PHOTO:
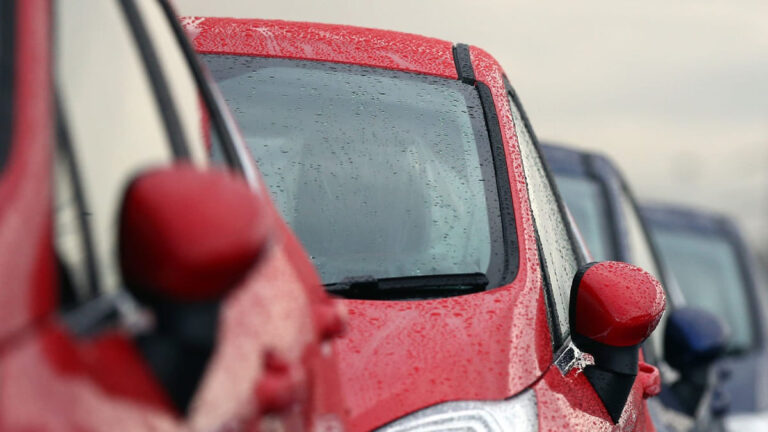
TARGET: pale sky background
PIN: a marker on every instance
(675, 91)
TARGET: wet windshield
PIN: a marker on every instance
(709, 274)
(586, 201)
(380, 173)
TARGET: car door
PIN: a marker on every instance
(566, 397)
(85, 355)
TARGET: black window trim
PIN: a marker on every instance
(158, 81)
(7, 53)
(466, 74)
(64, 145)
(233, 148)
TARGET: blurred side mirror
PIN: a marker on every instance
(614, 307)
(188, 235)
(693, 338)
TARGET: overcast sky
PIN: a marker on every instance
(675, 91)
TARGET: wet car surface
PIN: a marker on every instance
(360, 155)
(145, 285)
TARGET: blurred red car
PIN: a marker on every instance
(143, 285)
(407, 168)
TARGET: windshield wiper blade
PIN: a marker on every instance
(425, 286)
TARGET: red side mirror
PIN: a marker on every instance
(190, 235)
(614, 307)
(615, 304)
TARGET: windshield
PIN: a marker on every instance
(380, 173)
(586, 201)
(709, 274)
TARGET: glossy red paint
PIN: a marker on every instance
(650, 379)
(568, 403)
(229, 228)
(51, 379)
(618, 304)
(269, 343)
(49, 384)
(27, 272)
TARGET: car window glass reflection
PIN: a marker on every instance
(586, 202)
(377, 171)
(709, 274)
(558, 255)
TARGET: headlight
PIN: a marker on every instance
(516, 414)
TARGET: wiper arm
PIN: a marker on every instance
(426, 286)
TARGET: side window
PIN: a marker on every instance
(194, 121)
(640, 250)
(113, 125)
(128, 101)
(642, 256)
(559, 260)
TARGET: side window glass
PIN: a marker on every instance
(188, 104)
(72, 236)
(130, 101)
(642, 256)
(559, 261)
(114, 126)
(640, 250)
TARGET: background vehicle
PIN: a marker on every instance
(604, 208)
(716, 272)
(122, 244)
(401, 163)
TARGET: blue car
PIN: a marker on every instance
(717, 272)
(608, 218)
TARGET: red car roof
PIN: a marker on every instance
(323, 42)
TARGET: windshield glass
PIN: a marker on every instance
(708, 271)
(586, 201)
(380, 173)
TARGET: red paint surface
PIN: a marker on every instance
(53, 380)
(650, 379)
(229, 229)
(618, 304)
(27, 272)
(322, 42)
(568, 403)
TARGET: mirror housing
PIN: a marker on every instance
(614, 307)
(189, 235)
(615, 304)
(693, 338)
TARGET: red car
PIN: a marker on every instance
(143, 284)
(409, 171)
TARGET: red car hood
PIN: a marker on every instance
(401, 356)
